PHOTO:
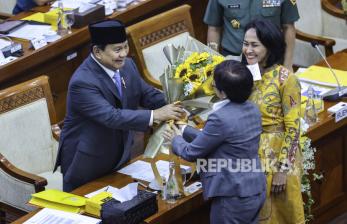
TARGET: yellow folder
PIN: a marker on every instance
(59, 200)
(323, 76)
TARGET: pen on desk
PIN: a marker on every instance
(107, 188)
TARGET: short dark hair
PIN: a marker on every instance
(234, 79)
(271, 36)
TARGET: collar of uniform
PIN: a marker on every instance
(108, 71)
(220, 104)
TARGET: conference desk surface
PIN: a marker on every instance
(328, 137)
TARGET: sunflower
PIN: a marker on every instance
(197, 71)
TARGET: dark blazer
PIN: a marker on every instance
(231, 132)
(97, 133)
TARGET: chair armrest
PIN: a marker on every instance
(150, 80)
(10, 169)
(326, 42)
(56, 130)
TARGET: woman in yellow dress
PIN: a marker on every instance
(277, 94)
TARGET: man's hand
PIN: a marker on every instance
(170, 133)
(279, 182)
(168, 112)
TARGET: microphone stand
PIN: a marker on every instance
(335, 94)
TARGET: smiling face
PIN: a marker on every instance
(113, 56)
(253, 49)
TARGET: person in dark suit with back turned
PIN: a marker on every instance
(230, 137)
(26, 5)
(102, 109)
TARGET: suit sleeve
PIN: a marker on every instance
(190, 133)
(205, 142)
(88, 100)
(214, 14)
(289, 12)
(151, 97)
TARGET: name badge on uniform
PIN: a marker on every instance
(271, 3)
(234, 6)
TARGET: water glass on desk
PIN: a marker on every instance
(69, 16)
(319, 102)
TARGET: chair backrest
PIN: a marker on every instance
(26, 115)
(311, 19)
(6, 6)
(147, 39)
(310, 22)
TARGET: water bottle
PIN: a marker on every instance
(172, 191)
(61, 29)
(310, 116)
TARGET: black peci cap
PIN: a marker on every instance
(107, 32)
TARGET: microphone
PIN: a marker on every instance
(337, 93)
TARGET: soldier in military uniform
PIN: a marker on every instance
(226, 20)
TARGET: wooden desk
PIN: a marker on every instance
(191, 209)
(330, 140)
(51, 60)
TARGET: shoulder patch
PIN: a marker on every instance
(293, 2)
(283, 74)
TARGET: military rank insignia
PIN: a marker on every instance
(293, 2)
(235, 24)
(271, 3)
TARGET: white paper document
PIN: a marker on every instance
(142, 170)
(30, 32)
(52, 216)
(124, 194)
(4, 43)
(319, 90)
(83, 4)
(254, 69)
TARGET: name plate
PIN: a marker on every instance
(341, 113)
(38, 42)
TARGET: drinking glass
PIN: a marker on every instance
(69, 19)
(319, 102)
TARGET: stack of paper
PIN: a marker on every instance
(4, 43)
(51, 216)
(124, 194)
(30, 32)
(142, 170)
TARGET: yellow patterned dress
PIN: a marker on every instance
(278, 98)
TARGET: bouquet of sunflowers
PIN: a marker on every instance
(188, 79)
(196, 73)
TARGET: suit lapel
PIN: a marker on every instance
(104, 78)
(124, 81)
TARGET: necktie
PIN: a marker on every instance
(117, 81)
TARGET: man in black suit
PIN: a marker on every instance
(102, 108)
